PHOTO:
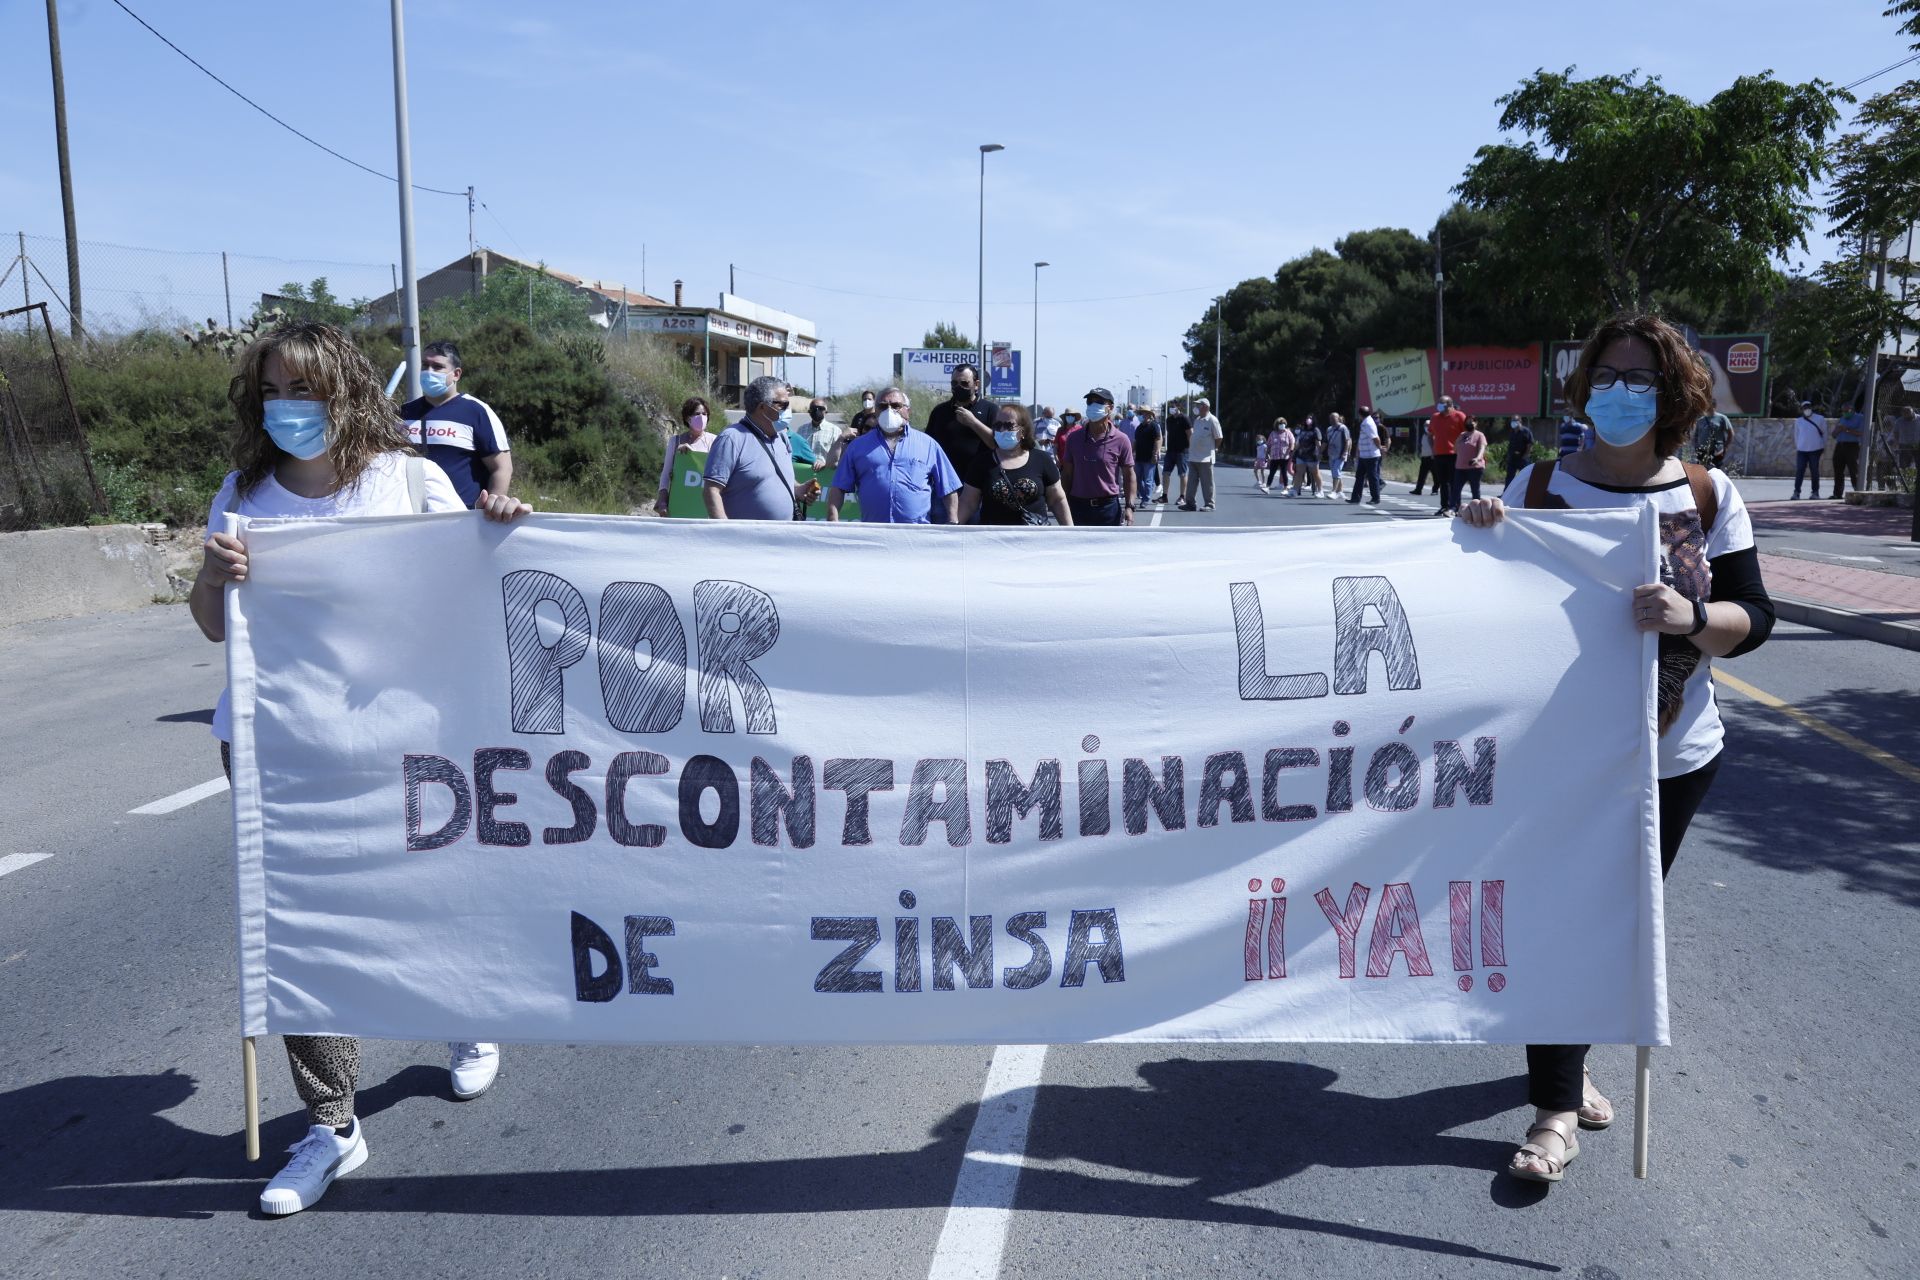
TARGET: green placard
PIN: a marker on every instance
(689, 476)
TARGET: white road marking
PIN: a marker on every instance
(975, 1234)
(20, 861)
(181, 799)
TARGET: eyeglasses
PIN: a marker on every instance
(898, 406)
(1601, 377)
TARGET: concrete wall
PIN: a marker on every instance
(63, 573)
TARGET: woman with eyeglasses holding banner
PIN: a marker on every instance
(1644, 388)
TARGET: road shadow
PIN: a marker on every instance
(1203, 1130)
(186, 717)
(1793, 800)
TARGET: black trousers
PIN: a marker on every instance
(1443, 480)
(1553, 1070)
(1427, 470)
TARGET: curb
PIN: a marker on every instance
(1847, 622)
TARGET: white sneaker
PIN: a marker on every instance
(473, 1067)
(318, 1159)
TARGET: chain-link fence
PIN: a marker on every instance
(46, 474)
(124, 288)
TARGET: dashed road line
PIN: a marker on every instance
(181, 799)
(13, 862)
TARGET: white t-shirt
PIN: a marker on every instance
(1694, 738)
(1809, 433)
(380, 491)
(1369, 437)
(1206, 438)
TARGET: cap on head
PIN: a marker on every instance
(1204, 403)
(1101, 394)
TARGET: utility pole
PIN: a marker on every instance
(1440, 311)
(403, 146)
(730, 288)
(66, 168)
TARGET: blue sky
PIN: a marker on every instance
(1152, 148)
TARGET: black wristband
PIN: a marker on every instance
(1699, 617)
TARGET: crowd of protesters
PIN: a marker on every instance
(316, 435)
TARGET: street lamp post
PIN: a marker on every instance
(1166, 378)
(980, 315)
(403, 143)
(1036, 333)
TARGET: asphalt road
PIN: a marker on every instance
(1783, 1115)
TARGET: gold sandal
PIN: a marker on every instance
(1556, 1166)
(1591, 1102)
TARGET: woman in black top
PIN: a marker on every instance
(1016, 483)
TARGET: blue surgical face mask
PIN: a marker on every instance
(1098, 412)
(785, 419)
(298, 427)
(1006, 439)
(1622, 416)
(434, 384)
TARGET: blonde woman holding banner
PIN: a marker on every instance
(316, 436)
(1644, 388)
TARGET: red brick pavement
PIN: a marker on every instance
(1823, 515)
(1892, 597)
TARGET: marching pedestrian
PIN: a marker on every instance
(1572, 435)
(900, 475)
(692, 441)
(315, 435)
(1848, 435)
(1306, 457)
(1096, 466)
(1469, 461)
(459, 433)
(1146, 457)
(1173, 472)
(1712, 436)
(1045, 428)
(1642, 386)
(749, 472)
(1369, 447)
(961, 425)
(1519, 447)
(1208, 439)
(1809, 441)
(1337, 447)
(1906, 438)
(1279, 455)
(1445, 427)
(1019, 484)
(1260, 463)
(1424, 447)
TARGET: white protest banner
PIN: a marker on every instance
(596, 779)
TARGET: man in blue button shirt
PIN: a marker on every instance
(897, 472)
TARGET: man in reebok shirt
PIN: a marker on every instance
(459, 433)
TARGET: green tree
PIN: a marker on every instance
(1616, 189)
(546, 306)
(946, 336)
(1910, 11)
(314, 302)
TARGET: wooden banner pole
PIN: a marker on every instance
(1642, 1085)
(250, 1082)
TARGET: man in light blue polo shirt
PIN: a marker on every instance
(897, 472)
(750, 467)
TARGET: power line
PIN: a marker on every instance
(503, 229)
(268, 114)
(1912, 57)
